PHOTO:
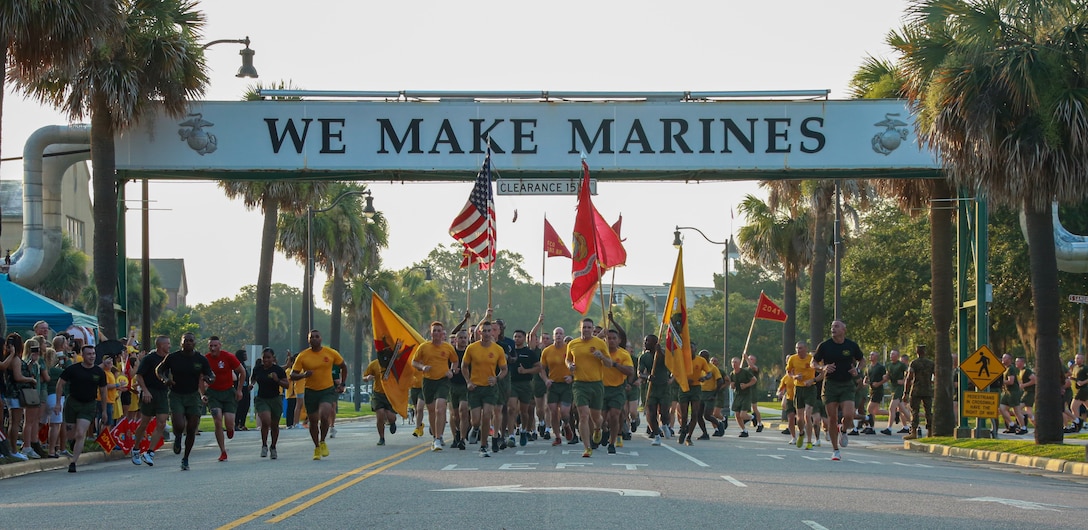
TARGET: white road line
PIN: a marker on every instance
(697, 462)
(814, 525)
(734, 481)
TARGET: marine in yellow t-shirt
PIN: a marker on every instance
(583, 353)
(320, 362)
(481, 362)
(439, 357)
(711, 385)
(612, 376)
(554, 361)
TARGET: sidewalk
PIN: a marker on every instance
(1038, 462)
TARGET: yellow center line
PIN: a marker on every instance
(344, 486)
(268, 509)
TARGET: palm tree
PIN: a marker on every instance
(883, 79)
(778, 239)
(270, 196)
(999, 91)
(36, 37)
(152, 59)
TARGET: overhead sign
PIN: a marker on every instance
(544, 186)
(982, 367)
(980, 404)
(1078, 298)
(447, 140)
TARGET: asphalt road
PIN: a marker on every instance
(730, 482)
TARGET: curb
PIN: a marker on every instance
(1048, 464)
(18, 469)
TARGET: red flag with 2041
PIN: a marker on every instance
(553, 244)
(768, 310)
(596, 247)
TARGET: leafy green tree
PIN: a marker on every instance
(68, 277)
(173, 324)
(159, 297)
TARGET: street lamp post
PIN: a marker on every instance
(728, 253)
(247, 69)
(368, 212)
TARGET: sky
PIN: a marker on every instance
(605, 45)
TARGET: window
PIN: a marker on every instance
(75, 232)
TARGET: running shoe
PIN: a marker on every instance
(835, 456)
(512, 441)
(557, 441)
(149, 457)
(324, 449)
(381, 441)
(800, 441)
(568, 433)
(786, 430)
(611, 449)
(844, 440)
(272, 453)
(904, 430)
(793, 441)
(418, 432)
(817, 443)
(393, 427)
(177, 445)
(853, 432)
(886, 431)
(473, 435)
(317, 453)
(759, 428)
(223, 456)
(184, 464)
(230, 433)
(587, 453)
(619, 442)
(743, 434)
(705, 436)
(136, 458)
(31, 454)
(483, 452)
(72, 467)
(264, 451)
(808, 446)
(524, 439)
(65, 452)
(436, 446)
(657, 441)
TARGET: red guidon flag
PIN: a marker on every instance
(553, 245)
(768, 310)
(596, 247)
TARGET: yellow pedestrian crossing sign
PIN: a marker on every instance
(982, 367)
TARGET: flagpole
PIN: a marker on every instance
(543, 268)
(746, 341)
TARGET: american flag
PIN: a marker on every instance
(474, 227)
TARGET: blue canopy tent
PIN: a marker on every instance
(23, 307)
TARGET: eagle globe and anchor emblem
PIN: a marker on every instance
(894, 134)
(199, 140)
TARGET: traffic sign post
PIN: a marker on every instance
(982, 367)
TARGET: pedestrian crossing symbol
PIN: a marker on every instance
(982, 367)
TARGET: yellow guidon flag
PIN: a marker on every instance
(395, 344)
(675, 336)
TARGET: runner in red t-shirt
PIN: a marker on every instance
(223, 393)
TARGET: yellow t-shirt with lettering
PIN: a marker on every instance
(554, 360)
(787, 383)
(438, 356)
(111, 393)
(612, 376)
(587, 367)
(699, 368)
(321, 363)
(711, 384)
(795, 365)
(375, 370)
(482, 361)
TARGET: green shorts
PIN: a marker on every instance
(160, 402)
(223, 400)
(876, 394)
(414, 395)
(539, 388)
(788, 408)
(861, 394)
(186, 404)
(818, 408)
(1028, 398)
(615, 397)
(502, 386)
(674, 392)
(710, 397)
(632, 391)
(313, 399)
(378, 401)
(435, 389)
(483, 395)
(742, 401)
(721, 401)
(1010, 399)
(660, 395)
(78, 410)
(458, 393)
(523, 390)
(897, 392)
(560, 393)
(588, 394)
(1081, 394)
(804, 396)
(694, 393)
(838, 391)
(271, 405)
